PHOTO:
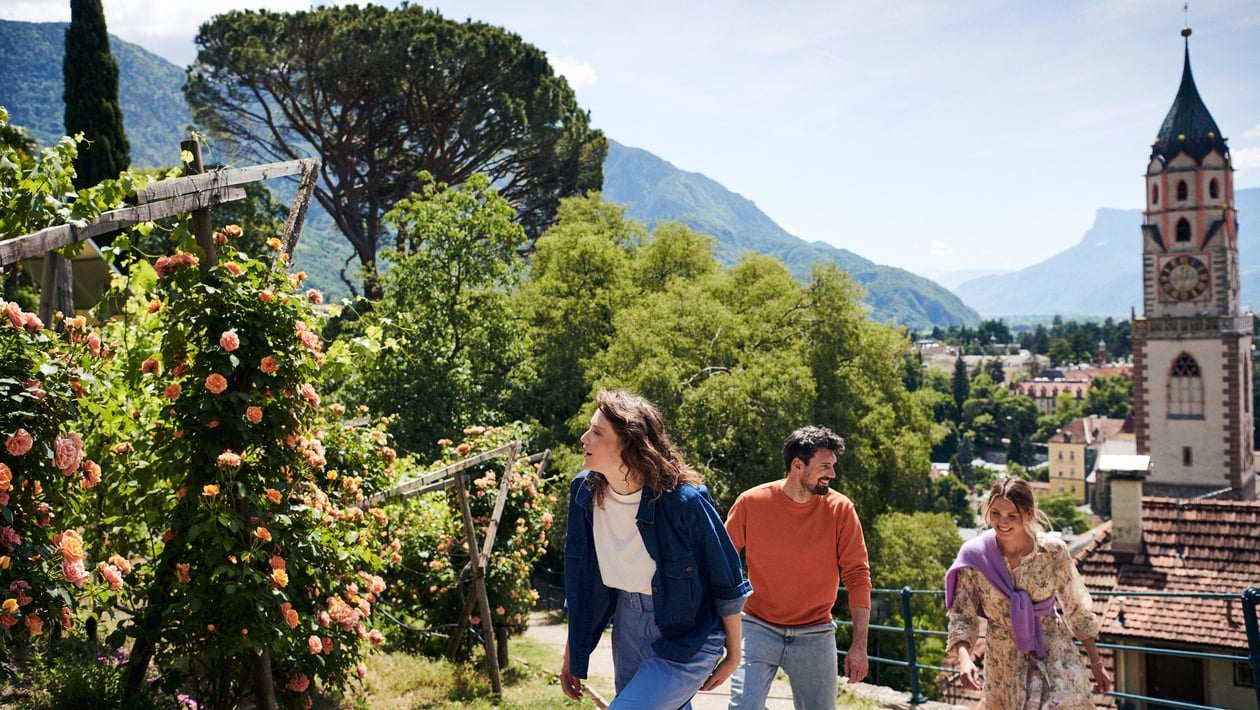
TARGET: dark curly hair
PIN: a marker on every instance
(646, 448)
(805, 442)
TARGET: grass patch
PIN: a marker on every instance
(400, 681)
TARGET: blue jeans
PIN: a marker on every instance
(643, 679)
(806, 654)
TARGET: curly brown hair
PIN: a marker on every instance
(645, 446)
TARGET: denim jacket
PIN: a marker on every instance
(698, 578)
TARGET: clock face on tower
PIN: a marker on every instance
(1184, 278)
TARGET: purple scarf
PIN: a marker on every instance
(982, 553)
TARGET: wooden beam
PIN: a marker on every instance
(222, 177)
(36, 243)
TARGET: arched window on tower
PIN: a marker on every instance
(1183, 191)
(1183, 230)
(1154, 194)
(1185, 389)
(1214, 189)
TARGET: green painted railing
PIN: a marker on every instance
(1250, 599)
(551, 586)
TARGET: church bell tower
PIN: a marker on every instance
(1192, 345)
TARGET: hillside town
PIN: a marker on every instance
(217, 489)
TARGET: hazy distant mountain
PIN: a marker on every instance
(31, 86)
(655, 191)
(951, 279)
(155, 117)
(1102, 274)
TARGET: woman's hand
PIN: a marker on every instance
(967, 670)
(1102, 681)
(569, 683)
(723, 671)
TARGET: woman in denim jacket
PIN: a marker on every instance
(646, 548)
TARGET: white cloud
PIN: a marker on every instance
(1253, 132)
(1245, 159)
(580, 74)
(939, 249)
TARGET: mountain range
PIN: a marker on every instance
(1102, 274)
(1098, 277)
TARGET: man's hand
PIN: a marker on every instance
(569, 683)
(856, 664)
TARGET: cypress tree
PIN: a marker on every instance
(91, 96)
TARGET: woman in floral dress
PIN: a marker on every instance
(1027, 587)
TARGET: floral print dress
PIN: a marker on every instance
(1021, 681)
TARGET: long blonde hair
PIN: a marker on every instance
(645, 445)
(1020, 493)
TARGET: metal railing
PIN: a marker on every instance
(1250, 600)
(550, 584)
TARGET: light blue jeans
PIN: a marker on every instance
(806, 654)
(645, 680)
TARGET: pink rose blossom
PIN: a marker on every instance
(361, 670)
(310, 341)
(34, 624)
(315, 644)
(266, 296)
(253, 414)
(376, 638)
(111, 575)
(19, 443)
(9, 538)
(172, 391)
(316, 297)
(14, 313)
(32, 322)
(181, 572)
(268, 364)
(91, 474)
(74, 572)
(68, 452)
(94, 344)
(298, 684)
(230, 340)
(229, 459)
(308, 393)
(216, 383)
(150, 367)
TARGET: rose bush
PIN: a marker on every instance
(45, 379)
(428, 589)
(231, 490)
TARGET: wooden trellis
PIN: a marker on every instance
(167, 198)
(478, 552)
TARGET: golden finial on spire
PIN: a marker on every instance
(1185, 9)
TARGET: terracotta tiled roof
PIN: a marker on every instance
(1187, 546)
(1099, 429)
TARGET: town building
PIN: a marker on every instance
(1192, 343)
(1074, 449)
(1046, 388)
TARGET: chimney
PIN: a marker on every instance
(1125, 477)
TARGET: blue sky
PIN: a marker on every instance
(934, 136)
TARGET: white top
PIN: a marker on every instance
(624, 562)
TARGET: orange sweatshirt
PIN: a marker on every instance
(797, 553)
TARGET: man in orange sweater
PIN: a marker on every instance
(800, 538)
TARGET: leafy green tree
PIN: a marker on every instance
(1063, 513)
(1110, 396)
(381, 95)
(912, 549)
(993, 368)
(444, 343)
(961, 387)
(948, 494)
(579, 278)
(92, 108)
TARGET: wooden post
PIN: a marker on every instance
(56, 289)
(297, 213)
(479, 583)
(201, 225)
